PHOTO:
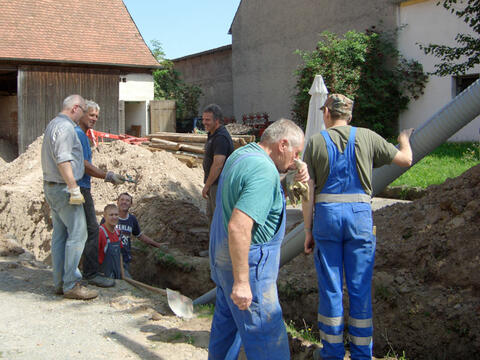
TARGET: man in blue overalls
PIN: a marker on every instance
(340, 162)
(245, 237)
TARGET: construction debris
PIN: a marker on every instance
(188, 148)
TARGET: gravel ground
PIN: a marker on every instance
(119, 324)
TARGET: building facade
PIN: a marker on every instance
(266, 33)
(49, 50)
(212, 72)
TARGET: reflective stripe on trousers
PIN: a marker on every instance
(261, 327)
(344, 242)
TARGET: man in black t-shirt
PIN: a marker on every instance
(218, 148)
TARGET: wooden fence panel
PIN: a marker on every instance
(162, 116)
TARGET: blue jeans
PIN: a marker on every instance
(68, 238)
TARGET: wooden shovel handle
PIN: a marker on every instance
(138, 283)
(145, 286)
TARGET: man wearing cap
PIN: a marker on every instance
(338, 222)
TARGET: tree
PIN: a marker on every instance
(366, 67)
(169, 86)
(468, 45)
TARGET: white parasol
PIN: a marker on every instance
(318, 93)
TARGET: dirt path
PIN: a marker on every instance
(119, 324)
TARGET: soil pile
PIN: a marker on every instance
(427, 282)
(426, 279)
(24, 213)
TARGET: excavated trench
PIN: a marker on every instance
(426, 281)
(426, 284)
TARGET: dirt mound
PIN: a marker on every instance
(426, 279)
(24, 214)
(178, 224)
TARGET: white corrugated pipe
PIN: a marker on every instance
(434, 132)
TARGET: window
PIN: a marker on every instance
(462, 82)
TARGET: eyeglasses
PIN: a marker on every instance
(84, 110)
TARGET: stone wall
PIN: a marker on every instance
(212, 72)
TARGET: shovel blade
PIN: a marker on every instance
(181, 305)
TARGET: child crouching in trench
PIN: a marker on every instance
(109, 244)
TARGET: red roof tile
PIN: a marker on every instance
(80, 31)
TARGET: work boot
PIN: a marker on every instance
(59, 291)
(101, 281)
(80, 292)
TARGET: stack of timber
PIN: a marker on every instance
(188, 148)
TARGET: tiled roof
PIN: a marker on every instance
(78, 31)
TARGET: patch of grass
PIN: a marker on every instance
(306, 333)
(289, 290)
(175, 337)
(140, 245)
(205, 310)
(383, 293)
(449, 160)
(169, 261)
(189, 339)
(392, 355)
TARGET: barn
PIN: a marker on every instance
(50, 49)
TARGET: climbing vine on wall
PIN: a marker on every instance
(366, 67)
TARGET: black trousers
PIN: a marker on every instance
(90, 252)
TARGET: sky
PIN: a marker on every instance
(184, 27)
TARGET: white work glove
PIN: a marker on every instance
(296, 190)
(76, 197)
(115, 179)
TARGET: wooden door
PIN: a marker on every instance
(162, 116)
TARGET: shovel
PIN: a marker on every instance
(181, 305)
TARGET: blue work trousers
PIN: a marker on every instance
(68, 237)
(344, 241)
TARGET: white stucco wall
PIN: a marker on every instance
(137, 87)
(426, 23)
(136, 113)
(137, 90)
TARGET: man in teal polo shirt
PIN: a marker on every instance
(245, 237)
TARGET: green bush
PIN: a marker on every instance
(169, 86)
(366, 67)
